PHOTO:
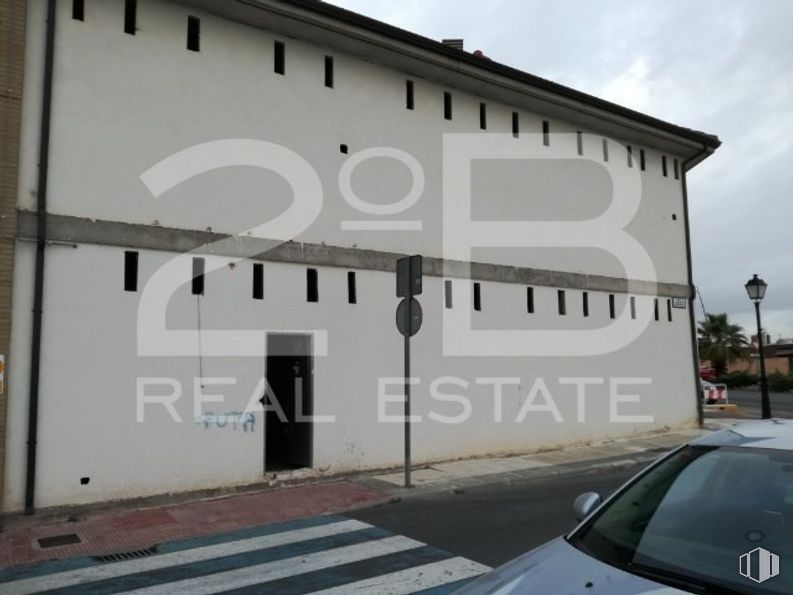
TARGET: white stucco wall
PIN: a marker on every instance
(88, 424)
(122, 103)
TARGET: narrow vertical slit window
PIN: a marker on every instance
(483, 116)
(630, 156)
(130, 271)
(546, 133)
(312, 285)
(130, 10)
(329, 71)
(409, 100)
(447, 294)
(677, 169)
(642, 162)
(612, 306)
(530, 300)
(78, 10)
(477, 297)
(633, 307)
(585, 303)
(258, 281)
(198, 276)
(194, 34)
(352, 290)
(605, 150)
(447, 105)
(579, 137)
(669, 310)
(655, 309)
(279, 57)
(664, 169)
(560, 300)
(515, 124)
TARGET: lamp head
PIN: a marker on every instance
(756, 287)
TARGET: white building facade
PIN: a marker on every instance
(180, 131)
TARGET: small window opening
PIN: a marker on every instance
(642, 162)
(669, 310)
(546, 133)
(483, 116)
(560, 299)
(633, 307)
(530, 300)
(664, 169)
(258, 281)
(447, 294)
(676, 166)
(515, 124)
(329, 71)
(130, 8)
(477, 297)
(655, 309)
(344, 148)
(630, 156)
(585, 303)
(612, 306)
(198, 276)
(605, 150)
(194, 34)
(78, 10)
(312, 285)
(279, 57)
(352, 290)
(409, 103)
(130, 271)
(447, 105)
(579, 137)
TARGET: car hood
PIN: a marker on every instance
(557, 568)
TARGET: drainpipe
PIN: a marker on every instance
(41, 243)
(685, 166)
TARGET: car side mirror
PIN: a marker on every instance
(585, 504)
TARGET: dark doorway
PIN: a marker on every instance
(289, 371)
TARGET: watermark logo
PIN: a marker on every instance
(759, 565)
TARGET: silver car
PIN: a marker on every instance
(713, 516)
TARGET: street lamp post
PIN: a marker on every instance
(756, 287)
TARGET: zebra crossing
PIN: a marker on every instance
(330, 555)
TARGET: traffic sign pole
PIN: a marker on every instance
(408, 319)
(407, 406)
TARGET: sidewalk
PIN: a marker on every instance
(134, 532)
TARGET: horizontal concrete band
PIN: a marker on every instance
(79, 230)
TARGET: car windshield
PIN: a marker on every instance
(718, 519)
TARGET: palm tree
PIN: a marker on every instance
(720, 341)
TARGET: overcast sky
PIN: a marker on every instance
(720, 66)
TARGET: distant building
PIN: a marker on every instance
(84, 238)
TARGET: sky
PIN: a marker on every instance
(720, 66)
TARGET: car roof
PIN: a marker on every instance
(769, 433)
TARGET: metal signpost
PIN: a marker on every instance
(408, 320)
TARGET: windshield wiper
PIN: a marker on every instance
(676, 579)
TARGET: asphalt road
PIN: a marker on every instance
(748, 402)
(492, 524)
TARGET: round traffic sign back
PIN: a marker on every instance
(410, 324)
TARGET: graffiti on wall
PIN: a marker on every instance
(232, 419)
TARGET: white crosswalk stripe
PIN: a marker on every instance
(326, 555)
(271, 571)
(414, 579)
(117, 569)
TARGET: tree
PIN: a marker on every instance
(721, 342)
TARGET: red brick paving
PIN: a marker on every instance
(138, 529)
